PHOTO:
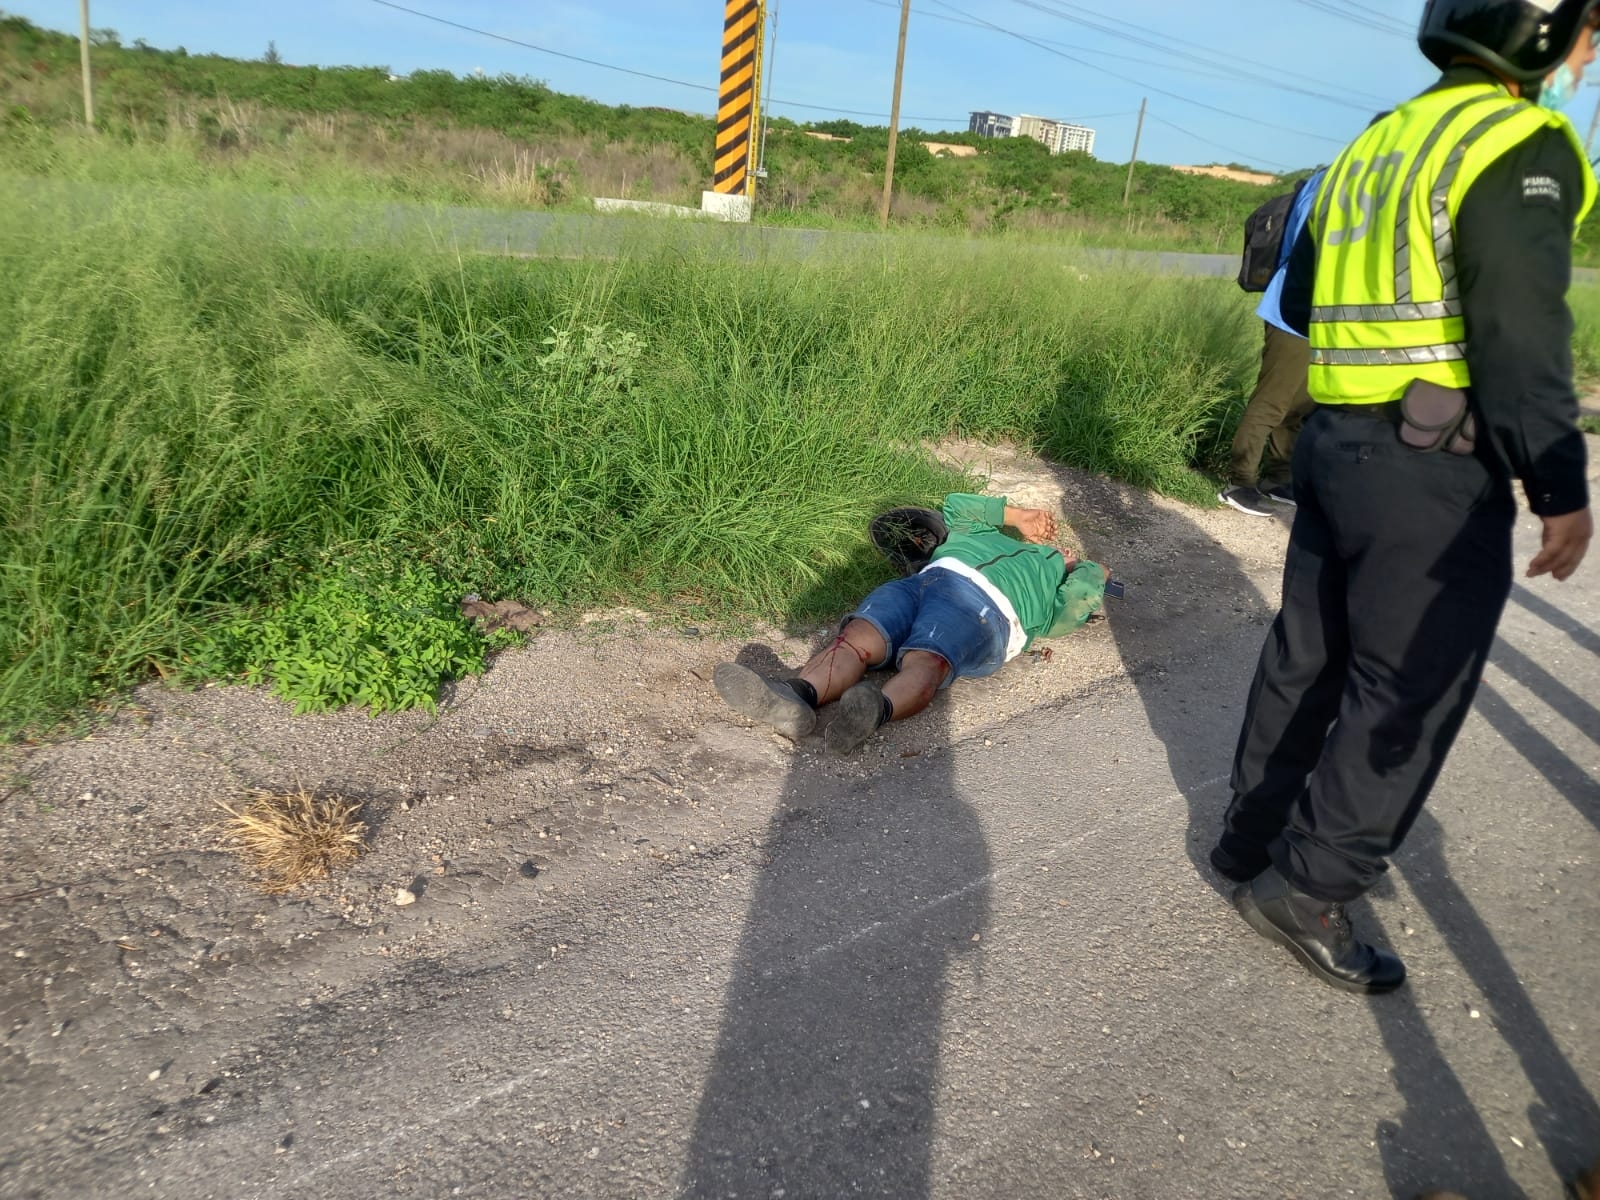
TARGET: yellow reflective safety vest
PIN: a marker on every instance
(1385, 306)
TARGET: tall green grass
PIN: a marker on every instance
(202, 411)
(1584, 301)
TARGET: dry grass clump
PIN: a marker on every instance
(293, 838)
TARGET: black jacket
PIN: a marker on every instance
(1513, 246)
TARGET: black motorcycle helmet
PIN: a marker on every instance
(907, 537)
(1523, 39)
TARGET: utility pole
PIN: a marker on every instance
(1127, 188)
(894, 116)
(88, 80)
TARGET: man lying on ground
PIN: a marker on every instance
(971, 599)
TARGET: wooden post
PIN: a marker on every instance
(1127, 188)
(894, 116)
(88, 80)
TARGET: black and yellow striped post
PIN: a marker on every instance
(738, 97)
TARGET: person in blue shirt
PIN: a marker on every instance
(1280, 402)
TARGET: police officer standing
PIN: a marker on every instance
(1432, 279)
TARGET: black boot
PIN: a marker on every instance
(1318, 932)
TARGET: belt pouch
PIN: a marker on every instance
(1433, 417)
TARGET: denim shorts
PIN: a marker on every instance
(943, 613)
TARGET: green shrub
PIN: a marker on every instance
(369, 637)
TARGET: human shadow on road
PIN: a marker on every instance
(1566, 1117)
(823, 1080)
(1569, 779)
(1440, 1140)
(1189, 633)
(1547, 688)
(1551, 615)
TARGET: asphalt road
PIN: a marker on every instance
(998, 971)
(543, 234)
(537, 234)
(579, 235)
(573, 235)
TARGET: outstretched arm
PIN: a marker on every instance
(967, 513)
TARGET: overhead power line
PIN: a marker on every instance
(1232, 71)
(1207, 72)
(1218, 145)
(1032, 41)
(1227, 61)
(699, 87)
(499, 37)
(1367, 18)
(1379, 14)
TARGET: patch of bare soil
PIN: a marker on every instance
(1256, 177)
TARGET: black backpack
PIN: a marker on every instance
(1263, 240)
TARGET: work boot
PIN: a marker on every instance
(772, 702)
(1318, 932)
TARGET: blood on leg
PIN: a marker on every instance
(840, 665)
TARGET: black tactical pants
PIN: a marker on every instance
(1399, 564)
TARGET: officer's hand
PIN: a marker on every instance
(1564, 541)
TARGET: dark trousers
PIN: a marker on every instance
(1273, 416)
(1399, 564)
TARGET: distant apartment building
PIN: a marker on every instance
(1074, 137)
(1057, 136)
(990, 124)
(1040, 129)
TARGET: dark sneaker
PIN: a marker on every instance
(1246, 500)
(1279, 493)
(859, 714)
(1318, 933)
(772, 702)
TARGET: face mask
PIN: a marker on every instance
(1558, 89)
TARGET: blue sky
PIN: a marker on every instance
(839, 54)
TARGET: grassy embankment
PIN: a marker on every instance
(205, 420)
(170, 117)
(201, 415)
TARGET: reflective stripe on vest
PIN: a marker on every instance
(1408, 355)
(1386, 306)
(1435, 310)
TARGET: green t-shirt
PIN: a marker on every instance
(1049, 600)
